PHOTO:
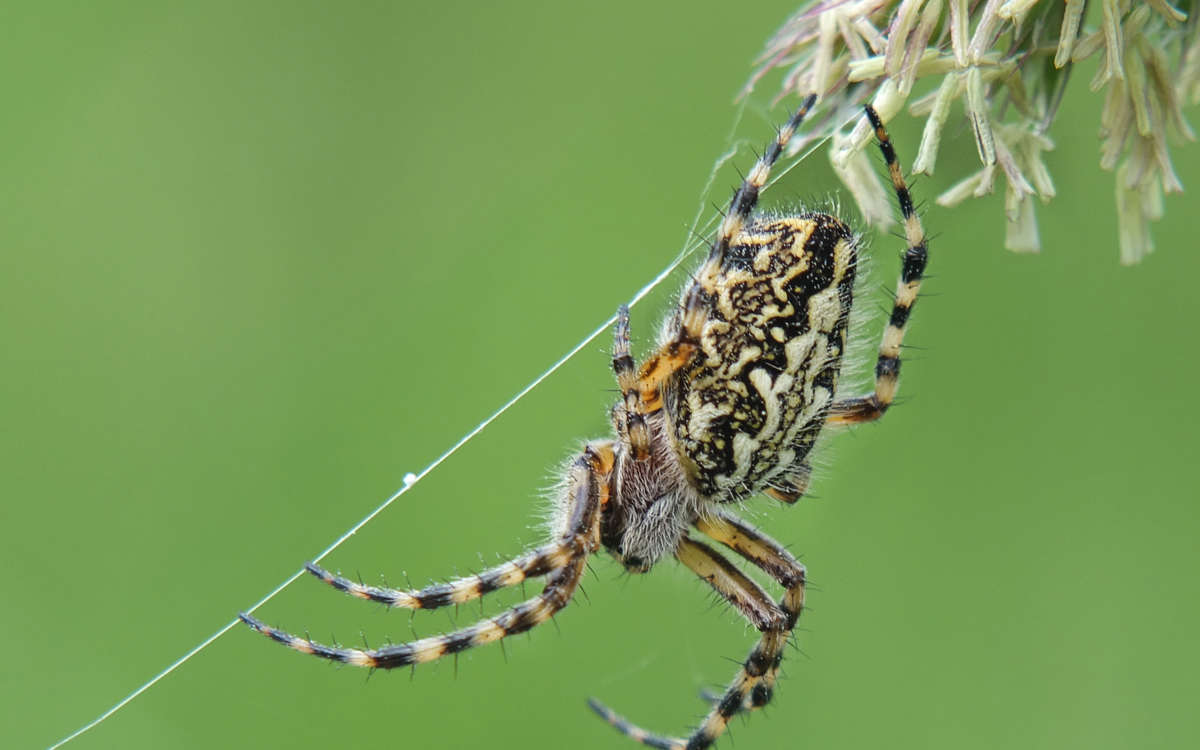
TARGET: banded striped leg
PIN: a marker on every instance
(588, 489)
(887, 367)
(678, 352)
(754, 683)
(632, 422)
(770, 557)
(533, 564)
(756, 605)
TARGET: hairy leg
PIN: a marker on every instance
(887, 368)
(752, 685)
(587, 490)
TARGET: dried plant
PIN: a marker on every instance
(1009, 62)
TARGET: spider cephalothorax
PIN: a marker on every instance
(730, 404)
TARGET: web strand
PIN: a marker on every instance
(693, 242)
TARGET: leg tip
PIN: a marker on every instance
(601, 710)
(632, 731)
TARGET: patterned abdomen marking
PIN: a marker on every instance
(750, 405)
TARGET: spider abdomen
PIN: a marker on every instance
(749, 406)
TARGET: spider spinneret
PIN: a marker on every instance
(729, 405)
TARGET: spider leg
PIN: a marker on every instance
(632, 731)
(633, 422)
(746, 197)
(533, 564)
(774, 560)
(734, 585)
(773, 620)
(677, 352)
(887, 367)
(587, 491)
(791, 487)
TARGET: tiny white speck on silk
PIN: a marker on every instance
(691, 245)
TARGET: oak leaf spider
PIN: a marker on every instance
(730, 405)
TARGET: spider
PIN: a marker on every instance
(730, 405)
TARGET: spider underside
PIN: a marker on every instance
(729, 405)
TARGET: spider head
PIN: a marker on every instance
(651, 502)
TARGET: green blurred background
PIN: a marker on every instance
(261, 260)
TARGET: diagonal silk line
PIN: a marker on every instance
(690, 246)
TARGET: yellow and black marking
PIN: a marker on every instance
(763, 552)
(763, 659)
(632, 418)
(730, 404)
(660, 366)
(732, 584)
(746, 197)
(754, 684)
(676, 354)
(564, 562)
(912, 269)
(774, 560)
(511, 622)
(746, 384)
(533, 564)
(749, 408)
